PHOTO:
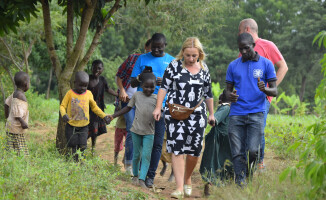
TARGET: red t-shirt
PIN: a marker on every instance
(268, 50)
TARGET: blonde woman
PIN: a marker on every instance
(186, 81)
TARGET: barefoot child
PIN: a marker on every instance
(74, 109)
(98, 86)
(16, 112)
(143, 126)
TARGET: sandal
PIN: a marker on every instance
(177, 194)
(187, 190)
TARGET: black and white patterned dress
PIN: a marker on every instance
(184, 88)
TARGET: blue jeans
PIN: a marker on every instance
(143, 145)
(129, 117)
(245, 132)
(157, 147)
(262, 145)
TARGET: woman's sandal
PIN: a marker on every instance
(177, 194)
(187, 190)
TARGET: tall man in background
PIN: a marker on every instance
(270, 51)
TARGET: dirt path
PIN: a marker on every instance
(105, 148)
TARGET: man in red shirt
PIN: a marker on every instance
(270, 51)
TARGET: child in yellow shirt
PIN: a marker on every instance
(74, 110)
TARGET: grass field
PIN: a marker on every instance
(46, 174)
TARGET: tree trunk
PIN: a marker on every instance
(303, 87)
(61, 141)
(64, 75)
(49, 84)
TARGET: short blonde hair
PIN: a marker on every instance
(193, 42)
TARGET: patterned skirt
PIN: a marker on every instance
(185, 136)
(17, 142)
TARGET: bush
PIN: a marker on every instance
(41, 109)
(283, 131)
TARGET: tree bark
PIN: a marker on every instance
(49, 84)
(62, 86)
(49, 38)
(70, 27)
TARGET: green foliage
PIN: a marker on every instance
(13, 12)
(291, 105)
(283, 131)
(321, 90)
(313, 157)
(216, 89)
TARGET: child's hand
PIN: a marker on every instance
(108, 119)
(159, 81)
(65, 118)
(24, 125)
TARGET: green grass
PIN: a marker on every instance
(46, 174)
(282, 131)
(41, 109)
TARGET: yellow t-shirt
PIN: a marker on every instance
(77, 108)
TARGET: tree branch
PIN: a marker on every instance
(70, 27)
(28, 52)
(98, 33)
(10, 75)
(10, 54)
(80, 43)
(49, 38)
(3, 56)
(24, 54)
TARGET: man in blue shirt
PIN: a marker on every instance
(246, 80)
(158, 60)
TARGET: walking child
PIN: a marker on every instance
(74, 110)
(98, 86)
(142, 129)
(16, 112)
(119, 134)
(216, 163)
